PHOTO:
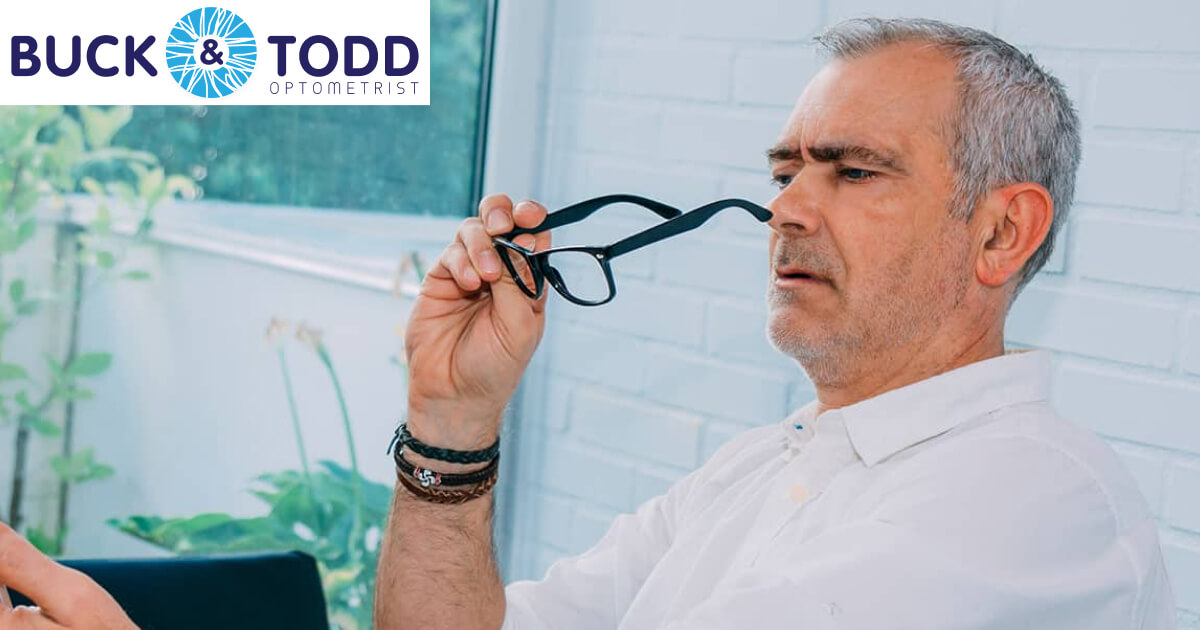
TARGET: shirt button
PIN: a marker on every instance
(798, 493)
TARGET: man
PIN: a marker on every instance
(923, 175)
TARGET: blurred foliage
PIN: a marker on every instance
(403, 159)
(48, 156)
(331, 512)
(312, 513)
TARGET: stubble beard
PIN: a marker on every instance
(907, 310)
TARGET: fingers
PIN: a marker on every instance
(472, 261)
(496, 212)
(65, 595)
(27, 618)
(478, 244)
(25, 568)
(456, 261)
(531, 214)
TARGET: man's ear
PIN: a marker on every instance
(1011, 223)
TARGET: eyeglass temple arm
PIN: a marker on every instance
(685, 222)
(582, 210)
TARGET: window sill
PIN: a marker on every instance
(362, 249)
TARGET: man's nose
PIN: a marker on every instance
(795, 210)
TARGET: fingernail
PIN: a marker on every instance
(489, 262)
(496, 221)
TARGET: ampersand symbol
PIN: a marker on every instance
(210, 54)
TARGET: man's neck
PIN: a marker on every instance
(907, 365)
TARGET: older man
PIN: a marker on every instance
(922, 177)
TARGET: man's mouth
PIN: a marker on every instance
(794, 276)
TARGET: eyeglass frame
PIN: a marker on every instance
(677, 222)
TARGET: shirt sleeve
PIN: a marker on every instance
(976, 551)
(592, 591)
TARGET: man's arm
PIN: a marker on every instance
(469, 338)
(437, 567)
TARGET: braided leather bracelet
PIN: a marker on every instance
(406, 440)
(428, 478)
(435, 495)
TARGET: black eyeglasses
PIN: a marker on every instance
(582, 274)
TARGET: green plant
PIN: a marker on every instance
(330, 512)
(52, 161)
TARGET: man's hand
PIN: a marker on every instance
(472, 331)
(66, 598)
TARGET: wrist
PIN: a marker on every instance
(455, 429)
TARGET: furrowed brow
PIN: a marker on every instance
(782, 153)
(858, 153)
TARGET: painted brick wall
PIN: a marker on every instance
(678, 100)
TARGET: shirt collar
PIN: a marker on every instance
(882, 426)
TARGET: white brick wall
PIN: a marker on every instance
(677, 100)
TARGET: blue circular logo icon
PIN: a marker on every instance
(211, 52)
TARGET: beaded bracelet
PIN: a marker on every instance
(428, 478)
(406, 440)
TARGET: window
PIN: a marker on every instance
(403, 159)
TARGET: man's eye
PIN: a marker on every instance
(781, 181)
(856, 174)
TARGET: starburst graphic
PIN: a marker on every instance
(211, 52)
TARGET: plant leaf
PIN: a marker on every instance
(89, 364)
(16, 290)
(136, 275)
(91, 186)
(81, 466)
(44, 427)
(77, 393)
(43, 541)
(26, 230)
(12, 372)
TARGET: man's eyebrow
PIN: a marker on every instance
(831, 153)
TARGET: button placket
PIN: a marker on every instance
(801, 482)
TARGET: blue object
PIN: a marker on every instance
(247, 592)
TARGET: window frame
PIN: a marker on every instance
(506, 142)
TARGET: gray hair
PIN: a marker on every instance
(1013, 123)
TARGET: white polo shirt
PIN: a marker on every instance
(962, 501)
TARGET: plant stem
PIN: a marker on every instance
(20, 457)
(21, 448)
(11, 202)
(356, 527)
(21, 441)
(291, 398)
(67, 237)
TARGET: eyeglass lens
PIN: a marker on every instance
(581, 274)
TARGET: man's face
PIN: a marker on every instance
(863, 167)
